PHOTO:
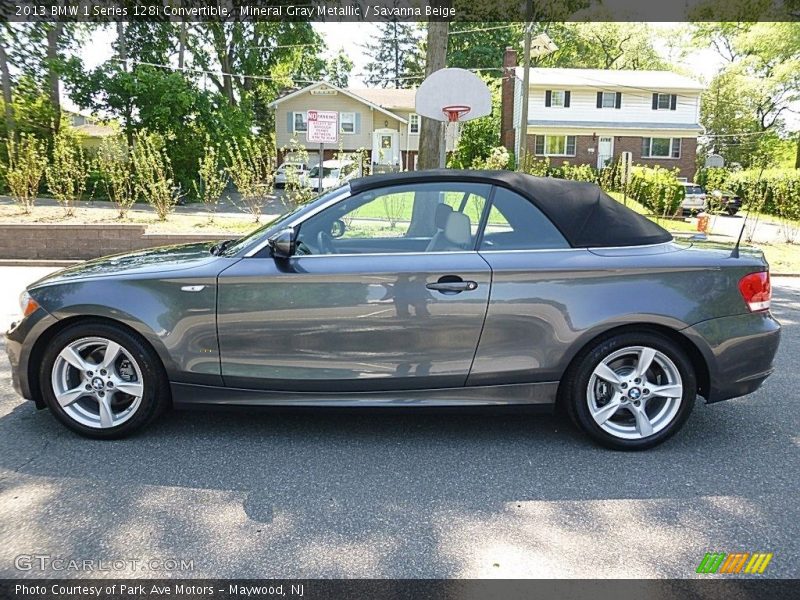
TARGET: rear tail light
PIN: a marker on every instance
(756, 290)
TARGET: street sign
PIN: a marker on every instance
(323, 127)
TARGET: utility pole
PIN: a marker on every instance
(539, 46)
(523, 110)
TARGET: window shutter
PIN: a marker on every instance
(599, 99)
(538, 146)
(566, 99)
(290, 122)
(570, 145)
(645, 147)
(548, 98)
(673, 102)
(655, 101)
(357, 125)
(619, 100)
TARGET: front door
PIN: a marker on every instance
(385, 150)
(369, 301)
(605, 151)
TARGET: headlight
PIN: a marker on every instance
(27, 304)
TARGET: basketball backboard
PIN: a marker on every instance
(453, 95)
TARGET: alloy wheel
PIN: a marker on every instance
(634, 392)
(97, 382)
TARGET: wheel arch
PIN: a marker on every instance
(693, 353)
(38, 349)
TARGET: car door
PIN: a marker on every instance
(372, 299)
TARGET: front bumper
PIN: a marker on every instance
(20, 339)
(739, 351)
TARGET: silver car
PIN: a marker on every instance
(694, 199)
(441, 288)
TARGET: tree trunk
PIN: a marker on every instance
(797, 159)
(53, 38)
(6, 82)
(122, 50)
(182, 46)
(430, 136)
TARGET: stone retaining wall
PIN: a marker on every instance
(62, 241)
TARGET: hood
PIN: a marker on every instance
(152, 260)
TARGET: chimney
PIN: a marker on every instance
(507, 100)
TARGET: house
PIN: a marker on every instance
(90, 130)
(591, 116)
(380, 121)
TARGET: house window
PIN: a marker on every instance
(609, 99)
(661, 147)
(413, 123)
(665, 101)
(557, 98)
(347, 122)
(555, 145)
(300, 122)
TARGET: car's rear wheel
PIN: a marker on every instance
(102, 381)
(631, 391)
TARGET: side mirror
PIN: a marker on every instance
(283, 243)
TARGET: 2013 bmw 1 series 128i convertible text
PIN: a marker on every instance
(436, 288)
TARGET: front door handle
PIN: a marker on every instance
(448, 285)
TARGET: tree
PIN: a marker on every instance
(338, 69)
(5, 78)
(68, 170)
(395, 54)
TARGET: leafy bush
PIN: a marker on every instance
(497, 160)
(68, 171)
(250, 166)
(212, 179)
(658, 189)
(773, 191)
(114, 167)
(154, 179)
(26, 162)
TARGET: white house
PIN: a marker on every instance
(590, 116)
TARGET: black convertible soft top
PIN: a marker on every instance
(586, 216)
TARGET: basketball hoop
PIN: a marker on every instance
(455, 112)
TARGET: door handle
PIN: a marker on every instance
(452, 287)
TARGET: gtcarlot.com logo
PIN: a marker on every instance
(46, 562)
(753, 563)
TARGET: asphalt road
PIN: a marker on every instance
(370, 494)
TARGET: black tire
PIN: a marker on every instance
(732, 211)
(155, 397)
(576, 381)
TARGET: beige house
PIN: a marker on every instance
(380, 121)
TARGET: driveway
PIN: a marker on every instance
(420, 495)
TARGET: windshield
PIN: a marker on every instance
(693, 189)
(275, 223)
(326, 172)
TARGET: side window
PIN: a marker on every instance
(514, 223)
(429, 217)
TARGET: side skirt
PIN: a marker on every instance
(185, 395)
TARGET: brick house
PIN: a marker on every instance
(381, 121)
(590, 116)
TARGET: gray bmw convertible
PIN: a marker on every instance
(437, 288)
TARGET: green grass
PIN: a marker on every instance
(673, 225)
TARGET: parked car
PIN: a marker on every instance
(300, 168)
(504, 289)
(725, 201)
(694, 198)
(334, 174)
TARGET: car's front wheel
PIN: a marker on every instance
(631, 391)
(102, 381)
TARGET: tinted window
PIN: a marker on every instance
(516, 224)
(693, 189)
